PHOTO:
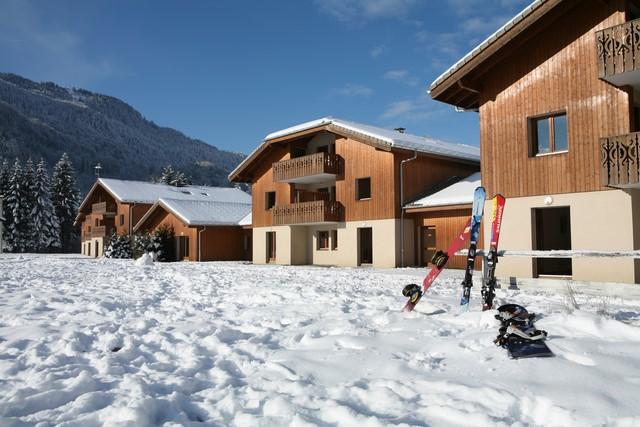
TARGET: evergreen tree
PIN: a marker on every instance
(28, 181)
(45, 222)
(66, 199)
(168, 175)
(180, 180)
(18, 221)
(4, 186)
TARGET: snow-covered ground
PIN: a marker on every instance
(88, 342)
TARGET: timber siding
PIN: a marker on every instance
(555, 71)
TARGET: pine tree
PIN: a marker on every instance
(28, 180)
(18, 221)
(65, 198)
(4, 186)
(180, 180)
(46, 226)
(168, 175)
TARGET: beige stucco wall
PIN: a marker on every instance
(600, 220)
(93, 241)
(298, 244)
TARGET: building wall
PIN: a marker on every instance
(223, 244)
(553, 71)
(297, 245)
(263, 183)
(448, 224)
(595, 225)
(160, 218)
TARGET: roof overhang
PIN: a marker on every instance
(419, 209)
(460, 85)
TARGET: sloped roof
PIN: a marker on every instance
(199, 212)
(459, 193)
(148, 192)
(373, 135)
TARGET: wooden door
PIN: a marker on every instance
(428, 243)
(271, 246)
(365, 242)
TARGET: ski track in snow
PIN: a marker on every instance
(87, 342)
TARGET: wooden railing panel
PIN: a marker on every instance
(313, 164)
(103, 208)
(307, 212)
(620, 160)
(618, 49)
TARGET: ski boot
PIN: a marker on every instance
(413, 292)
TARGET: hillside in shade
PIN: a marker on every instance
(44, 120)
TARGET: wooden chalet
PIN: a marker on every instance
(557, 89)
(328, 192)
(199, 215)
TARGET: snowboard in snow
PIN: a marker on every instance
(526, 349)
(455, 246)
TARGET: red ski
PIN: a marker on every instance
(413, 291)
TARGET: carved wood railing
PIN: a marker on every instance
(308, 212)
(313, 164)
(620, 160)
(310, 196)
(103, 208)
(618, 49)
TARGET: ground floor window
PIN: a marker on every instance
(551, 231)
(323, 240)
(334, 240)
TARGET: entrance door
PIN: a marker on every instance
(428, 243)
(96, 248)
(365, 243)
(271, 246)
(551, 230)
(183, 247)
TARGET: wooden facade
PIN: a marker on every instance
(291, 168)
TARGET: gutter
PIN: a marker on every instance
(200, 242)
(410, 159)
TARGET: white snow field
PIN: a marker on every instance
(87, 342)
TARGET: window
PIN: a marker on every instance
(269, 199)
(323, 240)
(121, 219)
(334, 240)
(548, 134)
(97, 222)
(363, 188)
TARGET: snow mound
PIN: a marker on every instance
(145, 259)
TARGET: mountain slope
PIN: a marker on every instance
(45, 120)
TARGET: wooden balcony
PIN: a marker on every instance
(317, 167)
(103, 208)
(620, 158)
(619, 54)
(307, 213)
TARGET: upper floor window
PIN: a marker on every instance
(548, 134)
(363, 188)
(269, 199)
(121, 219)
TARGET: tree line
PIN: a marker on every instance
(39, 209)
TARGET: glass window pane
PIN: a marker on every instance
(560, 132)
(542, 133)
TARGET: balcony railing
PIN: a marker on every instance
(103, 208)
(620, 158)
(308, 212)
(306, 166)
(619, 49)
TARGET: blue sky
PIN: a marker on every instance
(230, 72)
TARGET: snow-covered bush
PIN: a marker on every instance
(145, 243)
(119, 246)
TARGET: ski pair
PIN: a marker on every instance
(471, 230)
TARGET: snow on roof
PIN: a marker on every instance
(247, 220)
(381, 136)
(198, 212)
(391, 138)
(459, 193)
(487, 42)
(148, 192)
